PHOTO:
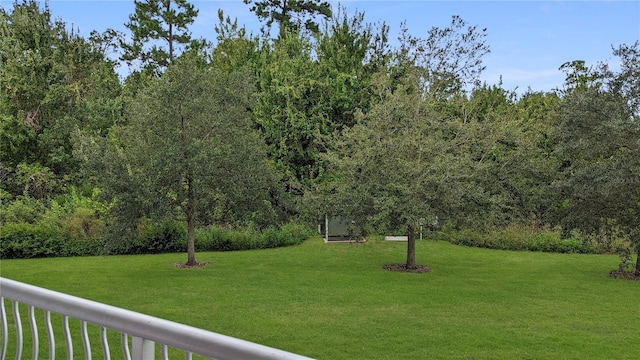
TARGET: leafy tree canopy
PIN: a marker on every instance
(187, 151)
(52, 81)
(158, 29)
(599, 142)
(290, 15)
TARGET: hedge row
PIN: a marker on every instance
(519, 239)
(22, 241)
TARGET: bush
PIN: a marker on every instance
(518, 238)
(69, 226)
(149, 238)
(22, 210)
(24, 241)
(166, 237)
(215, 238)
(212, 238)
(296, 233)
(608, 240)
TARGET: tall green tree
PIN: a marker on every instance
(579, 77)
(235, 48)
(290, 15)
(537, 163)
(349, 52)
(512, 144)
(598, 140)
(400, 165)
(159, 29)
(289, 91)
(449, 59)
(52, 81)
(187, 151)
(311, 87)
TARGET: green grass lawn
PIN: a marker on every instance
(334, 301)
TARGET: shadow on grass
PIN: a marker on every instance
(419, 269)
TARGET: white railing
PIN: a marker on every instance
(139, 333)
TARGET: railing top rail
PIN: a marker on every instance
(167, 332)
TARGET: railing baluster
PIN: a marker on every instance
(18, 322)
(85, 340)
(34, 331)
(67, 337)
(145, 331)
(125, 347)
(52, 341)
(105, 343)
(143, 349)
(5, 328)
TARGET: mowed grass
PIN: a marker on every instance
(334, 301)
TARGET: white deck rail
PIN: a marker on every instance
(142, 331)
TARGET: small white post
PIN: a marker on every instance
(326, 228)
(143, 349)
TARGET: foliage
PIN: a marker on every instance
(71, 225)
(288, 94)
(52, 81)
(349, 53)
(599, 134)
(517, 238)
(21, 210)
(291, 15)
(187, 152)
(311, 87)
(154, 22)
(448, 60)
(149, 238)
(27, 240)
(607, 240)
(215, 238)
(24, 241)
(235, 49)
(400, 163)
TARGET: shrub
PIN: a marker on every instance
(149, 238)
(212, 238)
(216, 238)
(82, 224)
(517, 237)
(296, 233)
(608, 240)
(166, 237)
(22, 210)
(24, 241)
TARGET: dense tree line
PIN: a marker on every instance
(325, 117)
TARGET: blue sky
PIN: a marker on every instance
(529, 40)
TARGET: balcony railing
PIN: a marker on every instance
(140, 334)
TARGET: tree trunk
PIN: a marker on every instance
(170, 36)
(191, 221)
(189, 209)
(191, 238)
(411, 247)
(638, 262)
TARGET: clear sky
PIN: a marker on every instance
(529, 40)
